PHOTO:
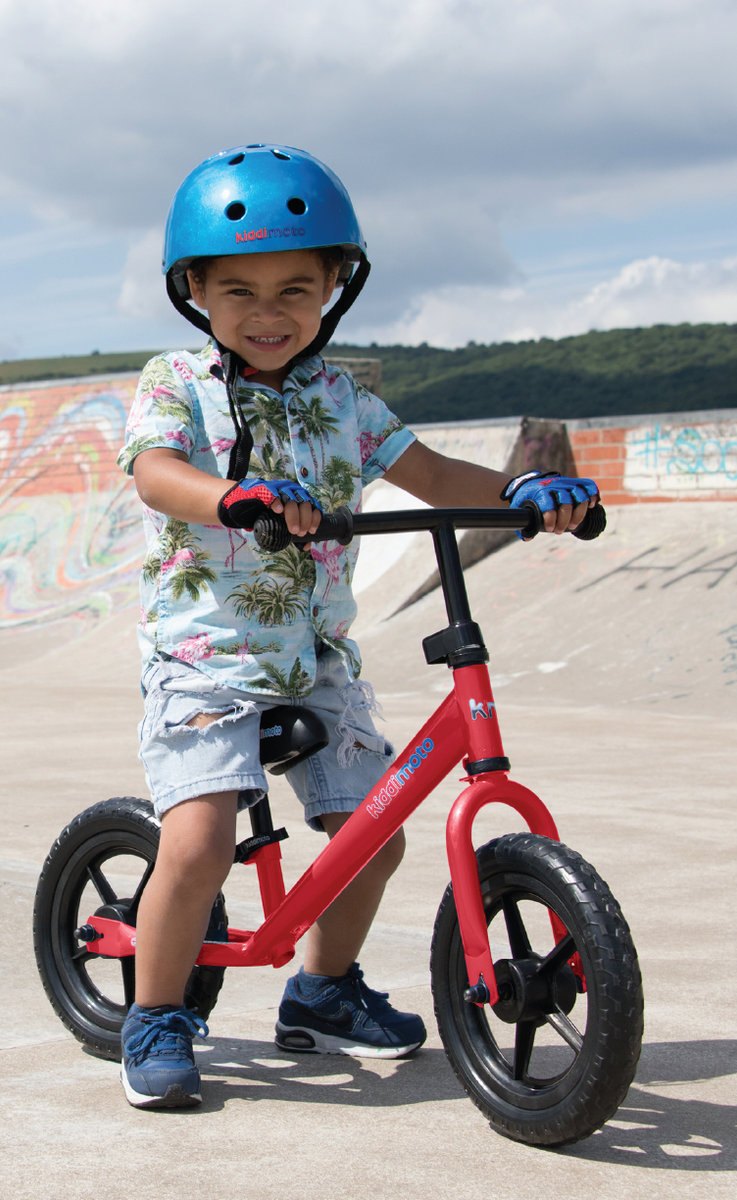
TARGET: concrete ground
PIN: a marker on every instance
(592, 672)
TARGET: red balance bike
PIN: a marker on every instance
(535, 979)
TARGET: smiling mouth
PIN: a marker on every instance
(269, 341)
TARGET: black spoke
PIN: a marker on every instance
(518, 939)
(102, 886)
(567, 1030)
(132, 913)
(557, 957)
(128, 968)
(83, 955)
(524, 1039)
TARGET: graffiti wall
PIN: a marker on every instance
(70, 527)
(684, 458)
(70, 530)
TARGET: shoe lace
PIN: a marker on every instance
(363, 992)
(165, 1029)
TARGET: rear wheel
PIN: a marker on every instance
(554, 1057)
(100, 864)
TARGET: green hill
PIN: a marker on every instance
(667, 368)
(30, 370)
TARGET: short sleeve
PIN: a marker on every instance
(161, 415)
(382, 436)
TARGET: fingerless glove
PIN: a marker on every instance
(239, 507)
(548, 489)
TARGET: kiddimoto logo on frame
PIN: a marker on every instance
(253, 235)
(398, 780)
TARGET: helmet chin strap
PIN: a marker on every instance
(235, 366)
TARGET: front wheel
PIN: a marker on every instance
(552, 1060)
(101, 863)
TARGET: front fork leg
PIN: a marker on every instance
(491, 788)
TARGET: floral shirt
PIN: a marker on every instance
(209, 595)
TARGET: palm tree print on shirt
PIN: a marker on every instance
(178, 552)
(269, 603)
(316, 421)
(156, 384)
(294, 565)
(273, 603)
(272, 464)
(266, 417)
(297, 683)
(337, 484)
(250, 646)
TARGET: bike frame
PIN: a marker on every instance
(464, 727)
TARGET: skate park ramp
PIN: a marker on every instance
(614, 667)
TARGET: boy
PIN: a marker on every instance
(259, 237)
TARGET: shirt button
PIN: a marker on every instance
(304, 472)
(316, 611)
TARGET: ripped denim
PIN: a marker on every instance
(183, 761)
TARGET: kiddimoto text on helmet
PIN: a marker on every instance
(254, 234)
(396, 781)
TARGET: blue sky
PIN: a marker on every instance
(522, 168)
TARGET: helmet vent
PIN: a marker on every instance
(278, 154)
(233, 162)
(235, 211)
(255, 146)
(296, 206)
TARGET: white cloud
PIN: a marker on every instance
(447, 119)
(657, 290)
(645, 292)
(142, 291)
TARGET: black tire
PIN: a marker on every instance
(575, 1052)
(90, 994)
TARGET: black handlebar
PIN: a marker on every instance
(342, 526)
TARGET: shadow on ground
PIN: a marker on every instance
(653, 1129)
(649, 1130)
(251, 1070)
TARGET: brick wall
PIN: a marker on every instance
(689, 456)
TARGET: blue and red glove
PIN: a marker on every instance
(248, 499)
(548, 490)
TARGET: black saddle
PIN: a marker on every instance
(289, 735)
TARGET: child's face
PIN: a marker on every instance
(266, 307)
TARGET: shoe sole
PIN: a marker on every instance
(175, 1097)
(297, 1040)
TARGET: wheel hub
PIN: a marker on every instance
(115, 912)
(527, 994)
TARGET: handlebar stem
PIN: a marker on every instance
(451, 574)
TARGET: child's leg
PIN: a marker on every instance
(327, 1008)
(335, 940)
(194, 858)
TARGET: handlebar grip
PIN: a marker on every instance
(271, 532)
(592, 525)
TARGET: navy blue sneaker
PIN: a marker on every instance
(158, 1061)
(344, 1016)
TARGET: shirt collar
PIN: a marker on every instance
(301, 374)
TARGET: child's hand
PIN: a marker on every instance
(239, 507)
(562, 501)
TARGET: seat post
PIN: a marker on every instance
(260, 814)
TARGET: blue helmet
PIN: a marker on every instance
(255, 199)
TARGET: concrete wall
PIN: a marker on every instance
(70, 534)
(678, 456)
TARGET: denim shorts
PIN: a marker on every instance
(183, 761)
